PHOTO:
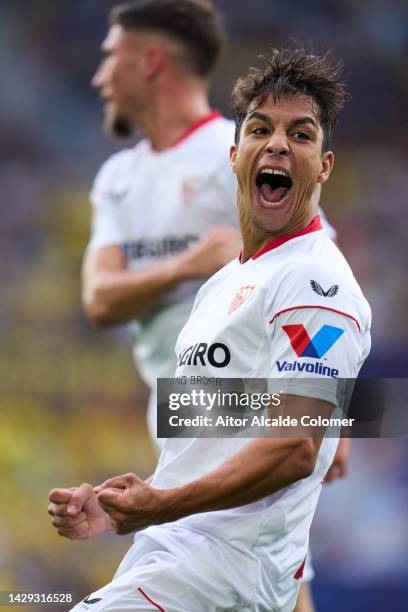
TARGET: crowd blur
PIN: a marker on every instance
(71, 406)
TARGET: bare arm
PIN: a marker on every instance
(113, 294)
(339, 467)
(261, 468)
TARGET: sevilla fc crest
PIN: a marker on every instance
(239, 298)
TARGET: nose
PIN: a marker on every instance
(277, 144)
(97, 79)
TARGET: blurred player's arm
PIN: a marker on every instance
(339, 467)
(261, 468)
(113, 294)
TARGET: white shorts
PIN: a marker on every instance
(201, 577)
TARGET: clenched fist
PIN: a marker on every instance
(76, 513)
(213, 251)
(131, 503)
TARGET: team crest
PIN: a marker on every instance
(239, 298)
(192, 187)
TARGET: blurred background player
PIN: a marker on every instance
(164, 213)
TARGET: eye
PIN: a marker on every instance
(259, 131)
(301, 136)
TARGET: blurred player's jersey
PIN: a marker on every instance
(294, 310)
(156, 205)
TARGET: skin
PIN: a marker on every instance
(339, 467)
(264, 465)
(129, 79)
(127, 503)
(284, 134)
(284, 144)
(147, 85)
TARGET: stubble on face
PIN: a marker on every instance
(117, 125)
(119, 82)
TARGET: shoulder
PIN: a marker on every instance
(224, 129)
(113, 177)
(327, 226)
(322, 280)
(119, 163)
(215, 136)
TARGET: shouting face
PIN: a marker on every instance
(279, 166)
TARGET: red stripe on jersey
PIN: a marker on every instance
(345, 314)
(313, 226)
(215, 114)
(150, 600)
(299, 338)
(299, 573)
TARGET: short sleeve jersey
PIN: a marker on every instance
(156, 204)
(293, 310)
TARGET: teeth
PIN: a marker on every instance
(270, 171)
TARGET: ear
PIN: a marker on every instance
(327, 166)
(152, 60)
(233, 157)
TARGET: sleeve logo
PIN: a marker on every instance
(316, 347)
(331, 292)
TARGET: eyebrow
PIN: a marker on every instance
(261, 116)
(295, 123)
(303, 121)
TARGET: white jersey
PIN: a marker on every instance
(156, 204)
(293, 310)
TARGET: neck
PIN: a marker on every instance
(255, 238)
(174, 107)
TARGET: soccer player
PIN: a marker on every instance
(224, 522)
(164, 212)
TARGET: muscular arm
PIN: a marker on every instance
(261, 468)
(113, 294)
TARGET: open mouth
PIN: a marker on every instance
(273, 185)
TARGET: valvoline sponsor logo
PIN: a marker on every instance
(315, 347)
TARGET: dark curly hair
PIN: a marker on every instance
(293, 72)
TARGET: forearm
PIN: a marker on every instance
(113, 294)
(261, 468)
(116, 296)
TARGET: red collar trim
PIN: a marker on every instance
(313, 226)
(214, 114)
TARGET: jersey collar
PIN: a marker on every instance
(313, 226)
(214, 114)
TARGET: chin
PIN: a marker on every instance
(273, 219)
(118, 126)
